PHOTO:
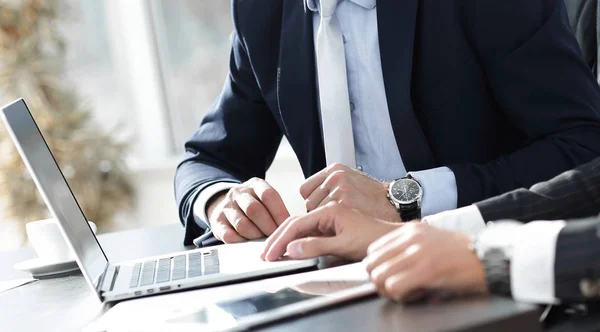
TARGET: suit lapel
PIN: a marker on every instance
(396, 25)
(296, 86)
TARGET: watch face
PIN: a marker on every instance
(405, 191)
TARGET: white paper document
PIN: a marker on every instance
(152, 312)
(10, 284)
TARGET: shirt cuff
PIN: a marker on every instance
(532, 263)
(467, 219)
(206, 194)
(439, 190)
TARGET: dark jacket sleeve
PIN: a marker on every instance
(576, 261)
(237, 139)
(539, 79)
(573, 194)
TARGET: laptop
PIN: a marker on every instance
(115, 281)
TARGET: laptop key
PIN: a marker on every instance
(148, 273)
(211, 270)
(194, 265)
(195, 261)
(179, 267)
(195, 272)
(211, 260)
(163, 272)
(135, 275)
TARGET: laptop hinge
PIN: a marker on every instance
(100, 280)
(108, 278)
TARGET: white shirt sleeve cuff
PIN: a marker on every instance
(206, 194)
(465, 220)
(532, 263)
(439, 190)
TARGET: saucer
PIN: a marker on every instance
(41, 268)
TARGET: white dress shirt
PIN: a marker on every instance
(533, 255)
(375, 145)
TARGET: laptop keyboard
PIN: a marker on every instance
(179, 267)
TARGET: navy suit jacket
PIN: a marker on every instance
(496, 90)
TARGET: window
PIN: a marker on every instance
(91, 65)
(149, 71)
(193, 46)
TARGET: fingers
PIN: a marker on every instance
(420, 258)
(312, 247)
(333, 189)
(385, 253)
(316, 197)
(395, 265)
(248, 209)
(317, 179)
(337, 195)
(271, 239)
(255, 212)
(398, 273)
(223, 231)
(317, 221)
(385, 240)
(240, 223)
(272, 201)
(401, 285)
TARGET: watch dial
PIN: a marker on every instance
(405, 191)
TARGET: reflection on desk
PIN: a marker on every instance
(243, 304)
(10, 284)
(67, 303)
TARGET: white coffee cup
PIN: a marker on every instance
(48, 242)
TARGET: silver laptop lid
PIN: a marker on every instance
(55, 191)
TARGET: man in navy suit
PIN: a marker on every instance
(468, 98)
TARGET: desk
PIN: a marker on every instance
(67, 303)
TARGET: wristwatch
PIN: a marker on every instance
(494, 248)
(405, 194)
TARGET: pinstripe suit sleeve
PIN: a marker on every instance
(573, 194)
(577, 261)
(553, 261)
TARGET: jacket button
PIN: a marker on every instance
(589, 288)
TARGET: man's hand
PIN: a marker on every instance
(354, 189)
(330, 230)
(248, 211)
(418, 257)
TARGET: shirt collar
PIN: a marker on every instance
(313, 5)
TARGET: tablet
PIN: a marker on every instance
(264, 307)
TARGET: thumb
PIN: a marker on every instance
(313, 247)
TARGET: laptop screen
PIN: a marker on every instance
(54, 189)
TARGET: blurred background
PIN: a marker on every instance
(116, 87)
